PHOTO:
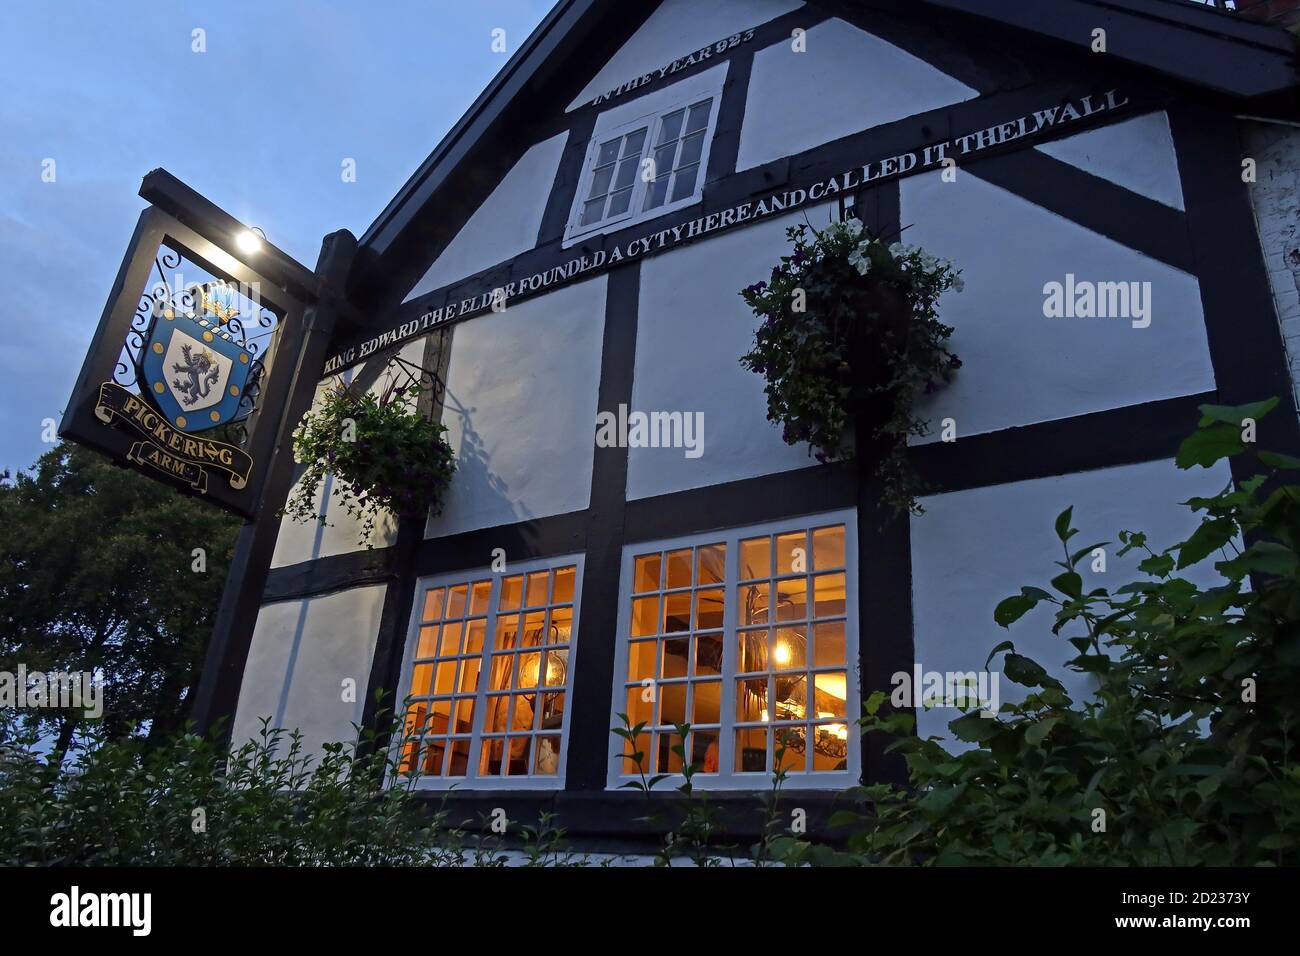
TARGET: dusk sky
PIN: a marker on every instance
(260, 123)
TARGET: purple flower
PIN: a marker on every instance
(776, 273)
(821, 457)
(798, 257)
(954, 362)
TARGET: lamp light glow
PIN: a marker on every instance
(248, 241)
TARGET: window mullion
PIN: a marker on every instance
(639, 184)
(677, 155)
(484, 676)
(730, 639)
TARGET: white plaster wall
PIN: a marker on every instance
(1019, 366)
(1275, 197)
(676, 29)
(973, 548)
(1137, 154)
(692, 329)
(506, 224)
(520, 409)
(846, 80)
(306, 541)
(302, 651)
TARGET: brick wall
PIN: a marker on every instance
(1284, 13)
(1275, 196)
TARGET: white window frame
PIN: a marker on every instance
(471, 780)
(727, 778)
(646, 111)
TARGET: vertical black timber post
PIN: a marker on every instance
(232, 631)
(731, 116)
(593, 677)
(885, 645)
(378, 715)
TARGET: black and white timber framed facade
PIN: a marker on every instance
(511, 266)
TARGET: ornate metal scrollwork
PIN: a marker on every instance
(247, 338)
(420, 376)
(124, 373)
(229, 307)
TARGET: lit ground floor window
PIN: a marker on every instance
(489, 666)
(750, 636)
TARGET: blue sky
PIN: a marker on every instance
(260, 123)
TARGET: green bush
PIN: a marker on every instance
(190, 802)
(183, 803)
(1187, 752)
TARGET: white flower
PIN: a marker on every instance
(928, 262)
(860, 262)
(853, 227)
(958, 283)
(898, 250)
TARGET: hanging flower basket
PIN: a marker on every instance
(849, 339)
(384, 455)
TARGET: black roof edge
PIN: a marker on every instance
(1212, 49)
(1171, 37)
(1202, 16)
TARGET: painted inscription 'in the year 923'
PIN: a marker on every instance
(699, 56)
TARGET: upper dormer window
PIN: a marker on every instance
(651, 162)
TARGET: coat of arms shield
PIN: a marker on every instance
(193, 370)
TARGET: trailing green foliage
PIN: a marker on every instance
(850, 330)
(386, 456)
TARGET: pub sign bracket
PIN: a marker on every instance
(188, 374)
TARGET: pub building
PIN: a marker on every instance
(731, 581)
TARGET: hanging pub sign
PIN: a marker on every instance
(195, 373)
(182, 379)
